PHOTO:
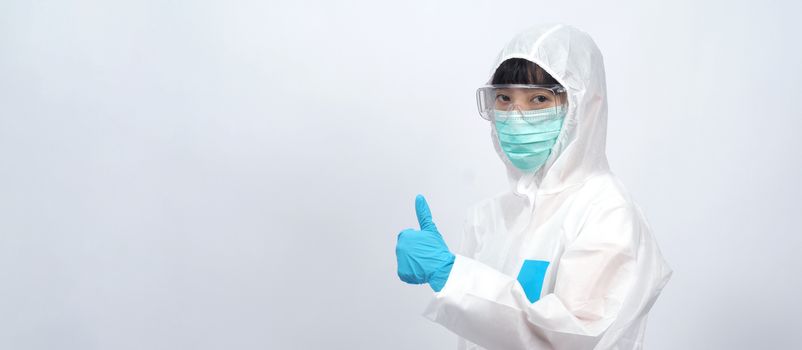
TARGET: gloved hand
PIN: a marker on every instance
(423, 256)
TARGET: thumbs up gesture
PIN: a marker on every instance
(423, 256)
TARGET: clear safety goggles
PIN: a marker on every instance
(520, 99)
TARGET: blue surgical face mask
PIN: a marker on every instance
(527, 138)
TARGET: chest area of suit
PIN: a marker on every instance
(528, 247)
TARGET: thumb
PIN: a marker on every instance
(424, 214)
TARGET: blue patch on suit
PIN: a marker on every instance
(531, 278)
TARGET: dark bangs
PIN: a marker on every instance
(521, 71)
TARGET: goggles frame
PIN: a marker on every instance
(486, 111)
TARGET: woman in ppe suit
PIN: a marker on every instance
(566, 259)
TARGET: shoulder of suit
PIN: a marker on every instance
(606, 191)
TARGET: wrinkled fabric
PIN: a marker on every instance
(605, 269)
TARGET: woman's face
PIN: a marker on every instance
(527, 99)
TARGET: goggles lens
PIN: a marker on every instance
(524, 99)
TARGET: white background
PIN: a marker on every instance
(233, 174)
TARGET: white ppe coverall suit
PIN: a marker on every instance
(591, 267)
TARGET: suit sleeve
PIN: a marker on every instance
(470, 239)
(490, 308)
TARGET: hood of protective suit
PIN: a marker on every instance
(573, 59)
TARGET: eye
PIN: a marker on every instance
(539, 99)
(502, 98)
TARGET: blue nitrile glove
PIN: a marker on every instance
(423, 256)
